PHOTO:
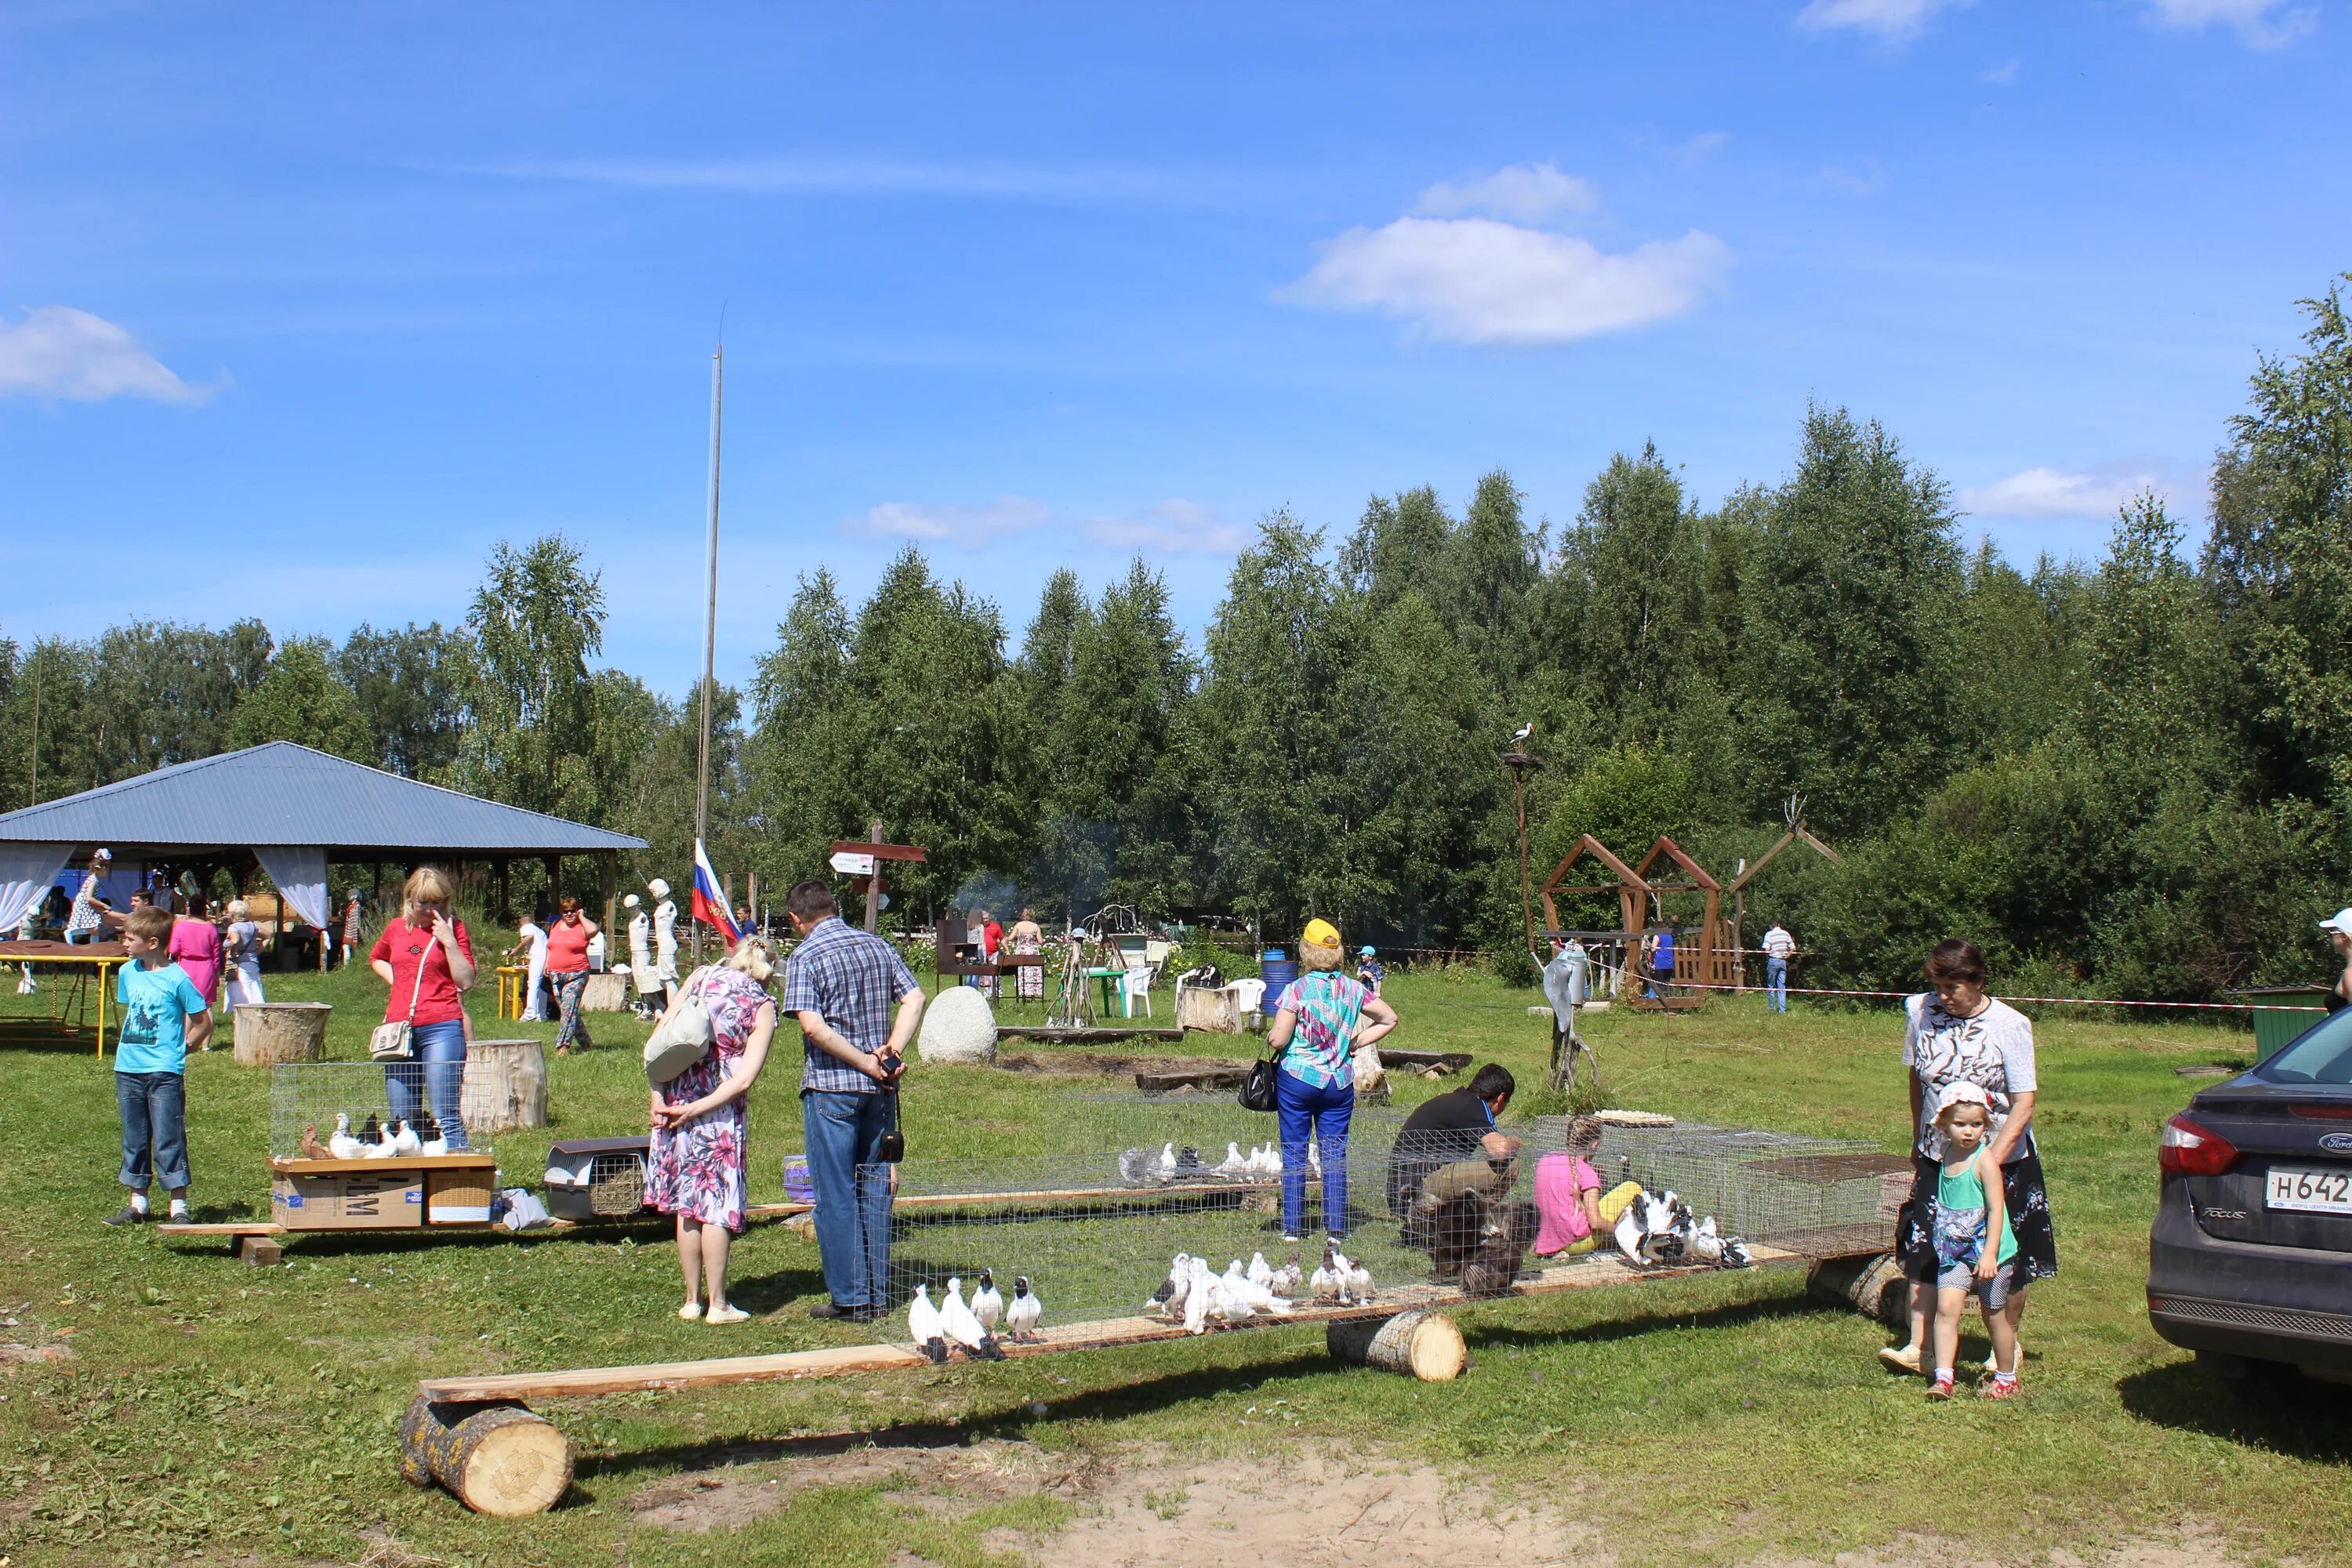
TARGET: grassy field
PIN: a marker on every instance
(216, 1413)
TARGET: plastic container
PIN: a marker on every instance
(1278, 970)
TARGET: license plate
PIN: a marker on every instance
(2313, 1192)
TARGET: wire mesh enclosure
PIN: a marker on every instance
(307, 1097)
(1814, 1196)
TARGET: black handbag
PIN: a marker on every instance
(1257, 1089)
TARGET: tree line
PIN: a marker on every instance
(2129, 776)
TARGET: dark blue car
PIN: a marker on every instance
(2250, 1261)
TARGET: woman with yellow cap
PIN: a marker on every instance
(1316, 1028)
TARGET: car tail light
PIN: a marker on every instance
(2323, 1112)
(2188, 1149)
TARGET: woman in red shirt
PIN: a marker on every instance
(567, 970)
(427, 961)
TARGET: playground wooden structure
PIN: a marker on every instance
(1703, 958)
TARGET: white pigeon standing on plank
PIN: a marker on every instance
(438, 1145)
(1196, 1295)
(923, 1326)
(1168, 1159)
(405, 1140)
(340, 1143)
(1286, 1279)
(1238, 1287)
(964, 1330)
(1235, 1164)
(1169, 1298)
(1359, 1285)
(1261, 1273)
(986, 1304)
(380, 1145)
(1021, 1314)
(1326, 1281)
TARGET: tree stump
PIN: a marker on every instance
(1872, 1286)
(495, 1458)
(269, 1033)
(605, 992)
(1420, 1344)
(505, 1086)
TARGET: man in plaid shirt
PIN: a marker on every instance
(856, 1003)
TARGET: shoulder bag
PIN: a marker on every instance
(679, 1041)
(392, 1042)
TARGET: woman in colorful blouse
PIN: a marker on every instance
(1315, 1031)
(696, 1168)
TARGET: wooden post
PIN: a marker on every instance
(505, 889)
(495, 1458)
(608, 874)
(874, 882)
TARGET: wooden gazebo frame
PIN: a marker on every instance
(1706, 963)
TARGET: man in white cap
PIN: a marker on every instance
(641, 959)
(2338, 927)
(665, 937)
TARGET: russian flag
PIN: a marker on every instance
(709, 906)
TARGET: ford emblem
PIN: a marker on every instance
(2336, 1143)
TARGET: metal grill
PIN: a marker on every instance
(306, 1097)
(616, 1185)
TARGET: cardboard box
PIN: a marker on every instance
(458, 1198)
(386, 1200)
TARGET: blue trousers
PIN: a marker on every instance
(1776, 982)
(1302, 1109)
(437, 1074)
(154, 1106)
(844, 1136)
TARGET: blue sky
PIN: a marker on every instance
(305, 307)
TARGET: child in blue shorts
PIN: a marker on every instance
(1974, 1246)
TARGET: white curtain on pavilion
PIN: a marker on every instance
(301, 877)
(26, 872)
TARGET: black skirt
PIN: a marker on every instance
(2028, 1202)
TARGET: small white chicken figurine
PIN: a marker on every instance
(1023, 1313)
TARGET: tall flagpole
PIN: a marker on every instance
(709, 625)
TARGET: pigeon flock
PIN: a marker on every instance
(374, 1141)
(954, 1325)
(1658, 1229)
(1196, 1295)
(1140, 1167)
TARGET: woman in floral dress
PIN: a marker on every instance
(699, 1124)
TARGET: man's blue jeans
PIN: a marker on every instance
(844, 1136)
(438, 1073)
(154, 1106)
(1776, 982)
(1302, 1109)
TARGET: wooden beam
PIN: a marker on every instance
(1593, 1273)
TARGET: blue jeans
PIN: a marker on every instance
(154, 1106)
(1776, 982)
(1300, 1109)
(844, 1136)
(437, 1074)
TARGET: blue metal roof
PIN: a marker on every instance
(285, 793)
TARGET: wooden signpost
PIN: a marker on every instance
(853, 860)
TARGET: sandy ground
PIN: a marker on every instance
(1151, 1509)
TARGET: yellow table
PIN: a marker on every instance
(91, 958)
(513, 978)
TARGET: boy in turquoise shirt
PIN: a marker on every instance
(151, 1062)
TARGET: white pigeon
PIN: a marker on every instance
(1169, 1298)
(1235, 1164)
(986, 1304)
(1197, 1279)
(1168, 1159)
(1021, 1314)
(1260, 1272)
(340, 1143)
(1359, 1285)
(438, 1145)
(383, 1146)
(964, 1330)
(1274, 1159)
(923, 1326)
(405, 1140)
(1345, 1273)
(1238, 1288)
(1315, 1158)
(1628, 1232)
(1326, 1281)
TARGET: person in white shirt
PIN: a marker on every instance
(533, 936)
(1778, 947)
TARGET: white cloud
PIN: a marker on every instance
(60, 353)
(2094, 495)
(1893, 21)
(967, 525)
(1168, 527)
(1524, 193)
(2003, 74)
(1866, 181)
(1478, 282)
(2261, 23)
(1701, 147)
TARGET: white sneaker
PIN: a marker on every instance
(690, 1311)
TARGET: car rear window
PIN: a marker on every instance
(2322, 1055)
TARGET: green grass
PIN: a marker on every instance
(223, 1411)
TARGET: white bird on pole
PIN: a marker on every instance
(1519, 736)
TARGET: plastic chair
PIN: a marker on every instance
(1132, 984)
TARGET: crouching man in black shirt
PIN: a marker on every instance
(1452, 1170)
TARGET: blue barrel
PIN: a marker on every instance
(1277, 972)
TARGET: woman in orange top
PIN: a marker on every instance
(567, 970)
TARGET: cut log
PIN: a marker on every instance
(1423, 1344)
(505, 1086)
(495, 1458)
(1872, 1286)
(604, 993)
(269, 1033)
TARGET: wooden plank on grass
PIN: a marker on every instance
(1591, 1273)
(261, 1228)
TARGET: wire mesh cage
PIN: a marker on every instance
(1816, 1195)
(309, 1102)
(616, 1185)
